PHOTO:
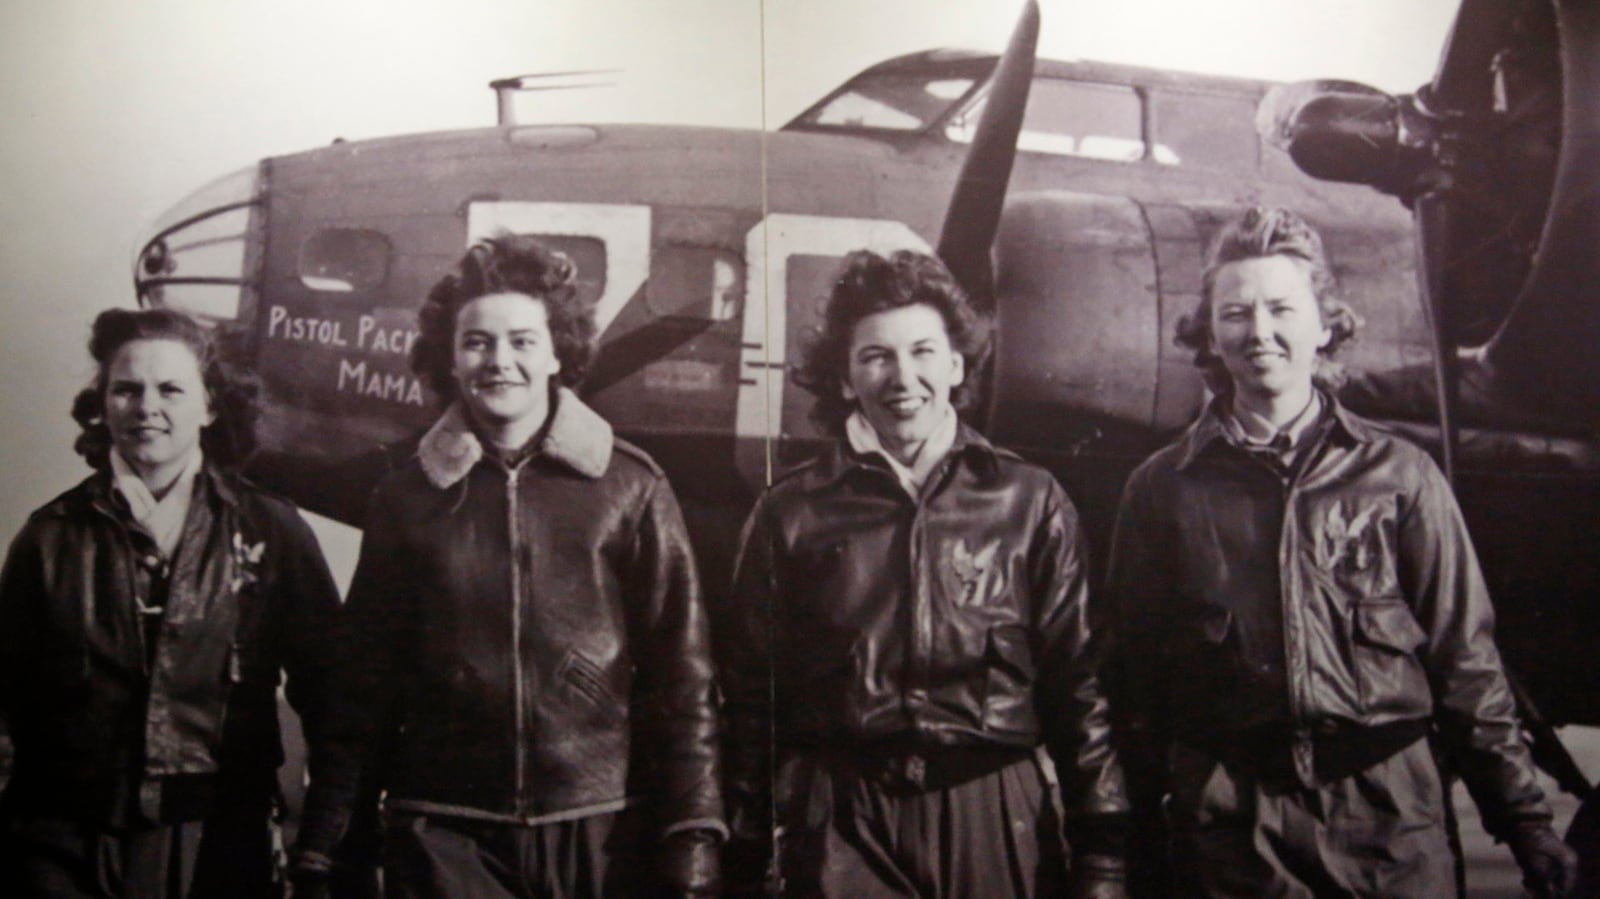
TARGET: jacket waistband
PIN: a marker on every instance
(923, 770)
(1278, 753)
(467, 812)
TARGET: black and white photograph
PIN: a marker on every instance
(902, 448)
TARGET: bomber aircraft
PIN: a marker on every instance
(1073, 199)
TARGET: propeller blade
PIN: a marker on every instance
(1464, 79)
(974, 214)
(1431, 212)
(1545, 353)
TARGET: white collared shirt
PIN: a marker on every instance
(1250, 429)
(864, 439)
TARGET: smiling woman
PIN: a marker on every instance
(151, 612)
(161, 383)
(504, 359)
(902, 369)
(522, 538)
(155, 406)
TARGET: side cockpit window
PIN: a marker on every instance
(1074, 118)
(344, 260)
(889, 103)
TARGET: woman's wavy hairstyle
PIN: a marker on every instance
(232, 392)
(505, 263)
(1259, 233)
(869, 283)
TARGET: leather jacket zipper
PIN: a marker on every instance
(1295, 672)
(516, 631)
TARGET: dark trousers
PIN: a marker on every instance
(1379, 832)
(848, 831)
(440, 857)
(226, 857)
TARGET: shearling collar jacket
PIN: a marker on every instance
(141, 691)
(1336, 597)
(576, 437)
(527, 644)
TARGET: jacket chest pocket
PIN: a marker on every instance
(1385, 637)
(1352, 541)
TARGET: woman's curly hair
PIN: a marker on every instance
(869, 283)
(232, 392)
(505, 263)
(1259, 233)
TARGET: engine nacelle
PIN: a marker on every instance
(1089, 291)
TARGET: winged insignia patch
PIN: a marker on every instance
(969, 567)
(1349, 538)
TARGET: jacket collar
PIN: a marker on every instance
(863, 439)
(209, 482)
(840, 460)
(1211, 427)
(577, 438)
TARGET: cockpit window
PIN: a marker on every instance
(1074, 118)
(344, 260)
(889, 102)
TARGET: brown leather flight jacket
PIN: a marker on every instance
(1315, 608)
(867, 620)
(112, 729)
(527, 645)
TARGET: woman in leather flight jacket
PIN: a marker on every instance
(1297, 609)
(910, 624)
(528, 646)
(145, 616)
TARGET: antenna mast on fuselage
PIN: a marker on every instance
(506, 89)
